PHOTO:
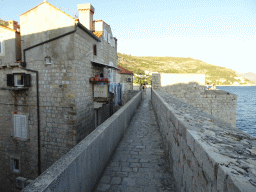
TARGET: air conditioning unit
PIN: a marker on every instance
(129, 79)
(21, 182)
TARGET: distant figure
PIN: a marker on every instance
(144, 88)
(140, 86)
(207, 86)
(214, 86)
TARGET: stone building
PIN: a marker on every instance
(190, 88)
(125, 77)
(10, 50)
(49, 91)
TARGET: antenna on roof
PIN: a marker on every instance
(75, 12)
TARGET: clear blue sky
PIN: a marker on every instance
(220, 32)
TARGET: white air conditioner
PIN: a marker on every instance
(129, 79)
(21, 182)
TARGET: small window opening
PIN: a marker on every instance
(18, 80)
(94, 50)
(47, 60)
(16, 165)
(1, 45)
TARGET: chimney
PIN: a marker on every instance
(86, 12)
(13, 25)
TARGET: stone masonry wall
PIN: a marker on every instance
(128, 95)
(207, 154)
(191, 90)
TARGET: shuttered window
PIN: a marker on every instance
(1, 45)
(110, 72)
(105, 35)
(20, 126)
(109, 38)
(114, 42)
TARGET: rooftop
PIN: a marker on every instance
(123, 70)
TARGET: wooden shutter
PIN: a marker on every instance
(20, 126)
(27, 79)
(17, 131)
(109, 38)
(105, 34)
(10, 80)
(23, 126)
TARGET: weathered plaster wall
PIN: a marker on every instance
(9, 46)
(191, 90)
(207, 154)
(38, 25)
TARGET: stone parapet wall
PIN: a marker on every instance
(128, 95)
(218, 103)
(80, 168)
(207, 154)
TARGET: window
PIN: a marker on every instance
(18, 80)
(20, 126)
(109, 38)
(16, 165)
(105, 35)
(47, 60)
(110, 72)
(114, 42)
(1, 44)
(94, 50)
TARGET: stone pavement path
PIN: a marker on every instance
(139, 162)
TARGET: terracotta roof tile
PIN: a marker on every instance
(98, 34)
(123, 70)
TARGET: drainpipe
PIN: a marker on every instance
(23, 64)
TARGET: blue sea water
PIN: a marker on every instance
(246, 107)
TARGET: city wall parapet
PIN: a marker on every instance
(190, 88)
(80, 168)
(206, 153)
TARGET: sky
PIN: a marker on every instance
(219, 32)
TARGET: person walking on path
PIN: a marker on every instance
(144, 88)
(140, 87)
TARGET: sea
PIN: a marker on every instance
(246, 107)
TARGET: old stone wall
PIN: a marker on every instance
(191, 90)
(81, 168)
(10, 40)
(65, 94)
(207, 153)
(128, 95)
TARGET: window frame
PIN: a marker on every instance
(109, 38)
(22, 134)
(15, 75)
(105, 35)
(95, 49)
(2, 50)
(13, 165)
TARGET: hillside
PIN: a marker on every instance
(4, 23)
(213, 73)
(250, 76)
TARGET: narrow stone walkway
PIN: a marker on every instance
(139, 162)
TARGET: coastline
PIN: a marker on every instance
(235, 85)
